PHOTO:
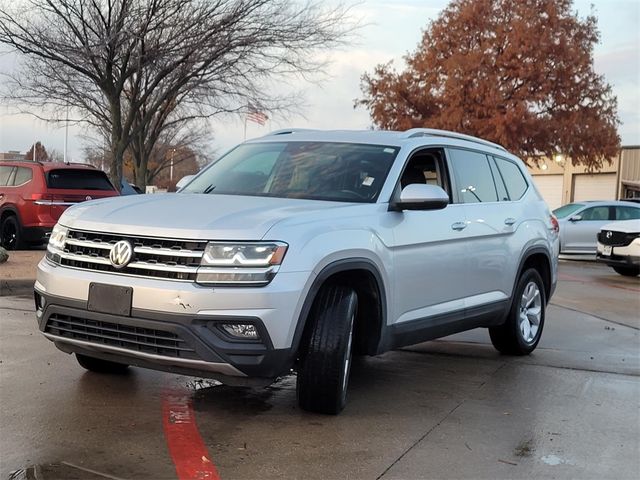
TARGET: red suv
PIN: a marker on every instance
(33, 195)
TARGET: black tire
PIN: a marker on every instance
(628, 271)
(100, 366)
(11, 233)
(512, 337)
(326, 352)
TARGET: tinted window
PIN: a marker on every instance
(23, 175)
(627, 213)
(499, 181)
(312, 170)
(513, 178)
(596, 213)
(5, 173)
(84, 179)
(473, 177)
(567, 210)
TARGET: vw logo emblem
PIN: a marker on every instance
(121, 254)
(609, 234)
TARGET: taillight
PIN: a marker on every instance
(555, 226)
(40, 196)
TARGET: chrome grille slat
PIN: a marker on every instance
(166, 258)
(89, 244)
(168, 252)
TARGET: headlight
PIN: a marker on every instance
(58, 237)
(243, 254)
(254, 263)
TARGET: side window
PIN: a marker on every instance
(425, 167)
(5, 173)
(473, 176)
(23, 175)
(596, 214)
(513, 178)
(627, 213)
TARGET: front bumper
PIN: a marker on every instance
(625, 256)
(174, 326)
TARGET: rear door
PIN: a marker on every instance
(491, 222)
(68, 186)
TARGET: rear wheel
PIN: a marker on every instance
(325, 359)
(521, 332)
(627, 271)
(11, 233)
(101, 366)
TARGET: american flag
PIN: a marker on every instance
(254, 114)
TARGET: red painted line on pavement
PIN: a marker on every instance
(187, 449)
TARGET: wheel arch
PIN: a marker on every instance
(536, 257)
(363, 276)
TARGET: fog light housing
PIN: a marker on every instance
(241, 331)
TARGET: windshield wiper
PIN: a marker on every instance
(209, 189)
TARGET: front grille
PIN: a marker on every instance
(616, 239)
(145, 340)
(152, 257)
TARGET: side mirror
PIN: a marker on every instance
(183, 181)
(419, 196)
(575, 218)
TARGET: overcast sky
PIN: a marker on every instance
(392, 29)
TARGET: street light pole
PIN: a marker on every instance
(173, 150)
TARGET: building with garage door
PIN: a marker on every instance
(560, 182)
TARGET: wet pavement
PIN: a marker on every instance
(452, 408)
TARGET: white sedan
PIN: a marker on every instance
(619, 246)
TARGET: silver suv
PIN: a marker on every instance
(300, 249)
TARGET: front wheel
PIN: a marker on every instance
(521, 332)
(628, 271)
(325, 358)
(100, 366)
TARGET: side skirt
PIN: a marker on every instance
(424, 329)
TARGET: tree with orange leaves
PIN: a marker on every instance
(519, 73)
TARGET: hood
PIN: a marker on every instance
(624, 226)
(190, 216)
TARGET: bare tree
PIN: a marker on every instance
(129, 67)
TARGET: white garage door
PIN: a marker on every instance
(601, 186)
(550, 187)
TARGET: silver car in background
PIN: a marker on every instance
(580, 222)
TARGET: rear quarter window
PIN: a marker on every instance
(85, 179)
(513, 178)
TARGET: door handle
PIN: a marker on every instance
(459, 226)
(509, 221)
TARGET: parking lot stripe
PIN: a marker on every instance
(186, 447)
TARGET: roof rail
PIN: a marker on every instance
(23, 160)
(288, 131)
(432, 132)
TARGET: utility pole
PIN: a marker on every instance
(66, 134)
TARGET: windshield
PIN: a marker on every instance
(342, 172)
(567, 210)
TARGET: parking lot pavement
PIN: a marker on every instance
(451, 408)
